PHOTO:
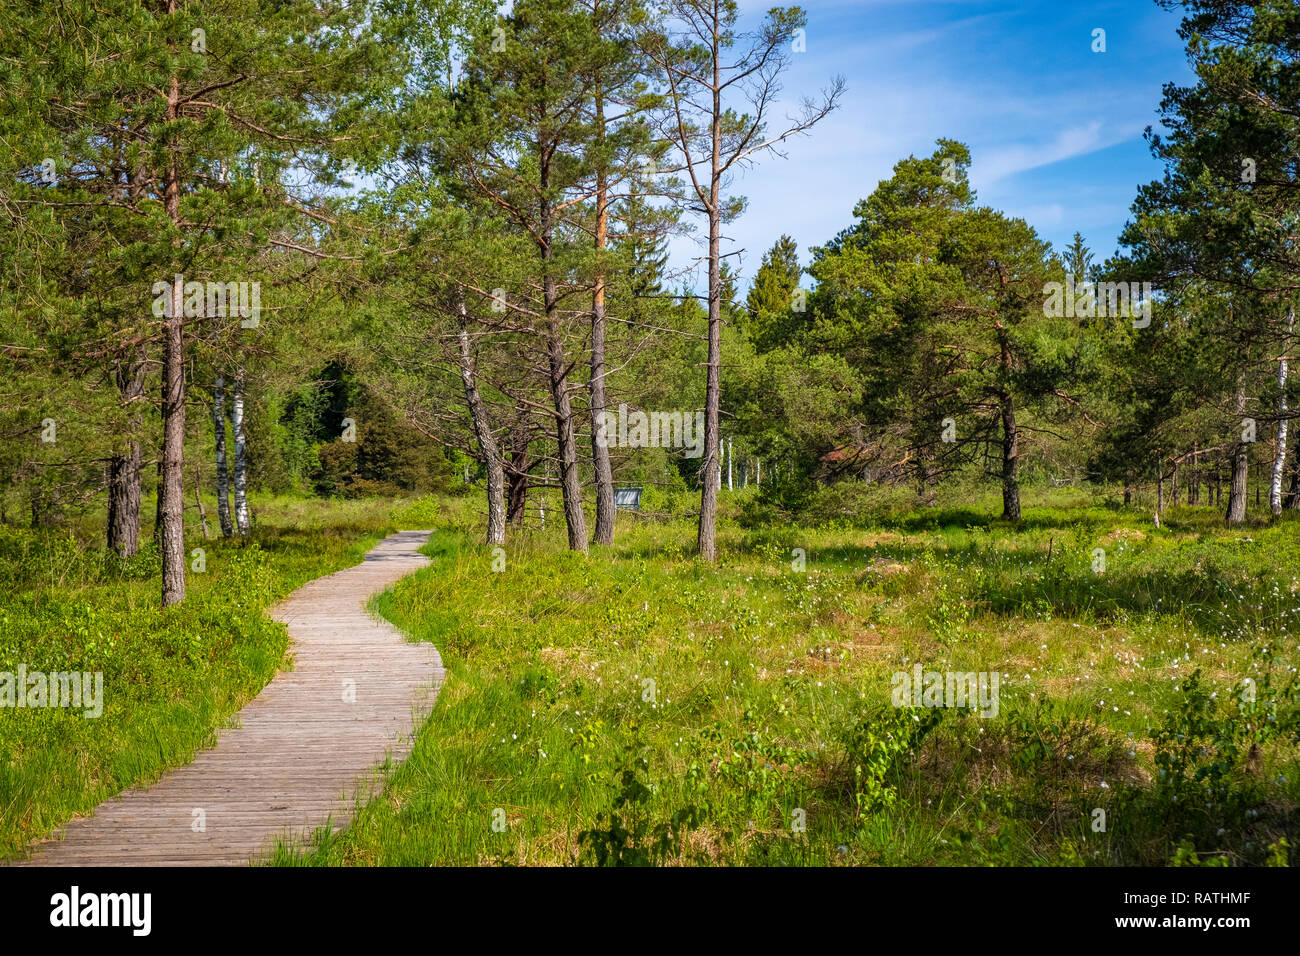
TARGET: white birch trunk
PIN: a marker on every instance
(241, 459)
(223, 479)
(1279, 456)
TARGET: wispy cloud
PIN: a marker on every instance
(1003, 161)
(1054, 130)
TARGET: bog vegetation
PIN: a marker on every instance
(269, 293)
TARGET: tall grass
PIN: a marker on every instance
(638, 706)
(171, 677)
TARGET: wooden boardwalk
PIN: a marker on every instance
(301, 753)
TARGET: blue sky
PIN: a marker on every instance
(1055, 130)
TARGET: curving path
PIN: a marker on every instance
(301, 755)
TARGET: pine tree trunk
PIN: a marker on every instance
(604, 474)
(1010, 441)
(557, 378)
(1279, 456)
(241, 459)
(1236, 512)
(171, 505)
(223, 480)
(1194, 495)
(171, 513)
(927, 486)
(516, 499)
(1010, 461)
(711, 472)
(604, 531)
(487, 443)
(570, 486)
(517, 480)
(124, 469)
(1293, 493)
(124, 500)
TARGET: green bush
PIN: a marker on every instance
(881, 744)
(628, 833)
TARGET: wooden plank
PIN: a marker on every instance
(298, 756)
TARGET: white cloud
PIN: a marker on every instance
(1001, 162)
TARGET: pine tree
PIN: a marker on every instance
(703, 62)
(774, 314)
(175, 147)
(1221, 219)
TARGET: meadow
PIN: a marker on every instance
(639, 707)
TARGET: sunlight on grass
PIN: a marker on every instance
(171, 678)
(636, 707)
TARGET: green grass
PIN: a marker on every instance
(171, 678)
(638, 706)
(769, 705)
